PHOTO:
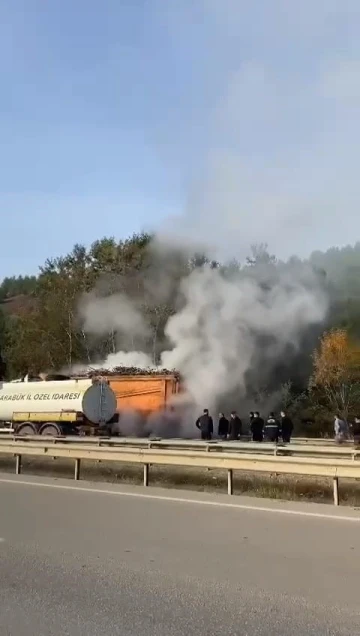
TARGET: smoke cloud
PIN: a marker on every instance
(116, 312)
(266, 137)
(118, 316)
(217, 334)
(232, 325)
(258, 163)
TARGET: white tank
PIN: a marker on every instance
(96, 401)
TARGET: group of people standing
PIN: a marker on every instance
(227, 428)
(344, 430)
(232, 428)
(272, 429)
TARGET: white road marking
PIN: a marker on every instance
(201, 502)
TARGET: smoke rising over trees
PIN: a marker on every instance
(237, 331)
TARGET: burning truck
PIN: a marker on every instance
(123, 400)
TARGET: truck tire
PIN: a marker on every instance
(26, 428)
(50, 429)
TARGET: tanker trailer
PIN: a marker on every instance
(57, 407)
(144, 396)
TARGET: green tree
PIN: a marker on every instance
(2, 345)
(260, 255)
(17, 285)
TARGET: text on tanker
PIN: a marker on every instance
(18, 397)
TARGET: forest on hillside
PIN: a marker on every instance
(42, 325)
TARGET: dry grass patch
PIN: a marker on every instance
(285, 487)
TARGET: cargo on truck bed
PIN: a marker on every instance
(157, 371)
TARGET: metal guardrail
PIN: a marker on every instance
(346, 450)
(306, 466)
(9, 432)
(318, 440)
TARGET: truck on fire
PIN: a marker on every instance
(87, 402)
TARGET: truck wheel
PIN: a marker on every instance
(50, 429)
(26, 428)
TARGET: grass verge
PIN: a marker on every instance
(282, 487)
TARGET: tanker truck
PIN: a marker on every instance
(145, 398)
(59, 407)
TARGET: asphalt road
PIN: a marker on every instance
(99, 559)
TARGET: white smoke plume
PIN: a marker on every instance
(112, 312)
(264, 142)
(126, 359)
(117, 315)
(215, 336)
(224, 325)
(257, 158)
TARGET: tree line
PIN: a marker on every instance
(40, 326)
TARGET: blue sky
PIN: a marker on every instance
(83, 88)
(242, 119)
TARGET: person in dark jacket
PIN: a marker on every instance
(205, 424)
(272, 429)
(235, 426)
(223, 427)
(257, 427)
(2, 368)
(287, 427)
(356, 430)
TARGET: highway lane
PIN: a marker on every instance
(100, 559)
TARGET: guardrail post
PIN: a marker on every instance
(77, 469)
(230, 481)
(207, 450)
(336, 490)
(146, 474)
(18, 465)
